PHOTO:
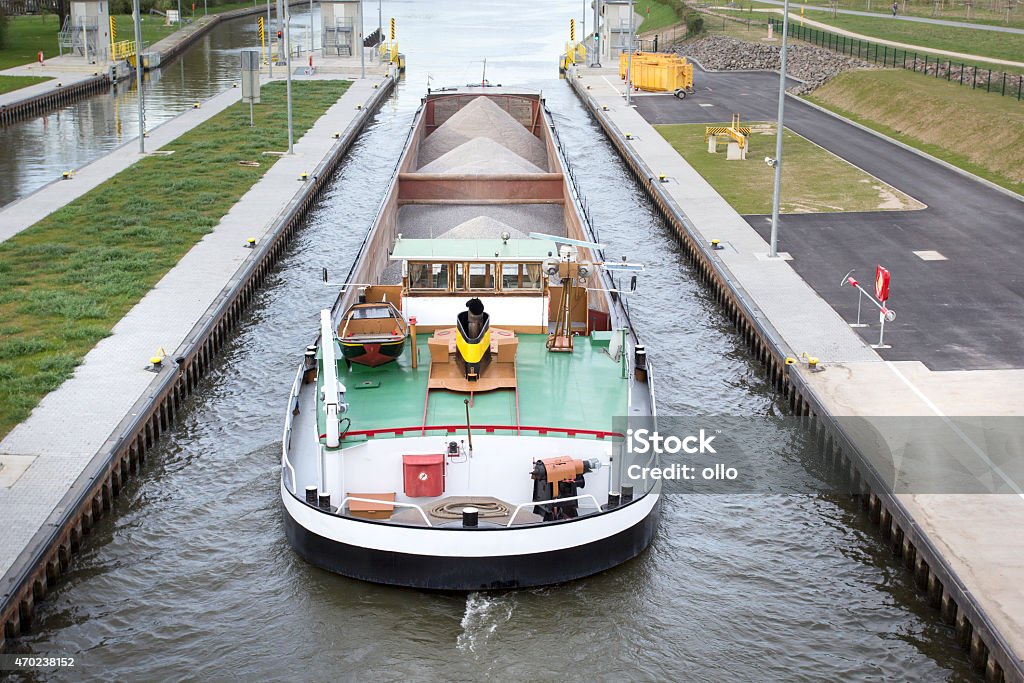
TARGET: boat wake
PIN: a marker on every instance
(484, 614)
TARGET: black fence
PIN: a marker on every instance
(977, 78)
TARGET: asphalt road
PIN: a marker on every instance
(965, 312)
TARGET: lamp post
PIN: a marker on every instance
(288, 72)
(773, 249)
(138, 75)
(629, 59)
(270, 42)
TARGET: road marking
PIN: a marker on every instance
(966, 439)
(704, 104)
(930, 256)
(614, 88)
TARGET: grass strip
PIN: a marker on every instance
(11, 83)
(982, 13)
(813, 179)
(925, 37)
(68, 279)
(656, 14)
(26, 36)
(982, 135)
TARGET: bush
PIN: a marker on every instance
(694, 20)
(694, 23)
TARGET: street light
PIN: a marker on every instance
(138, 74)
(629, 58)
(270, 42)
(288, 72)
(773, 249)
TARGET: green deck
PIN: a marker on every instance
(581, 390)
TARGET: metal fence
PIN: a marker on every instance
(977, 78)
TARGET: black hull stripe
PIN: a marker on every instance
(471, 573)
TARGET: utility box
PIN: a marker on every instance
(342, 24)
(86, 31)
(251, 76)
(614, 30)
(424, 475)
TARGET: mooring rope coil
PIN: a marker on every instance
(487, 508)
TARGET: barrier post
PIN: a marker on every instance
(885, 314)
(882, 294)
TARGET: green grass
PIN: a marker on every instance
(26, 36)
(1009, 46)
(927, 38)
(660, 15)
(152, 28)
(65, 281)
(981, 13)
(983, 135)
(11, 83)
(813, 180)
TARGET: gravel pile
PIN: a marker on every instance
(483, 118)
(433, 220)
(809, 63)
(480, 156)
(482, 227)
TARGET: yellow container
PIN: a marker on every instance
(656, 72)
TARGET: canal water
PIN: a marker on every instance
(192, 578)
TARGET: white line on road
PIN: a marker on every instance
(966, 439)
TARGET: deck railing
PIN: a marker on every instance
(597, 506)
(484, 428)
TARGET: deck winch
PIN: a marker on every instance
(560, 477)
(473, 339)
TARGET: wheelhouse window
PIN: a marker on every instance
(520, 277)
(481, 276)
(428, 276)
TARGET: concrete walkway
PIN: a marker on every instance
(45, 454)
(892, 43)
(978, 535)
(902, 17)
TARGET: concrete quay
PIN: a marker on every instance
(70, 83)
(962, 545)
(56, 482)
